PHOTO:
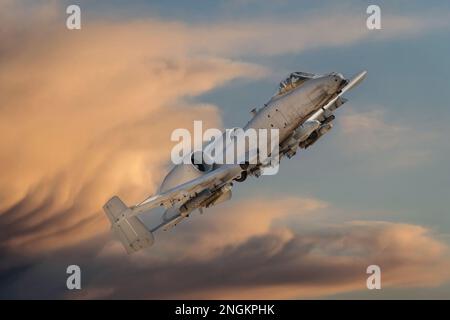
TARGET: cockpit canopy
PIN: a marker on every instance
(294, 80)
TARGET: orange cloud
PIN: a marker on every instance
(88, 114)
(250, 250)
(272, 266)
(277, 263)
(231, 223)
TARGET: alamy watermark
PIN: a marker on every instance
(374, 280)
(373, 21)
(74, 279)
(73, 21)
(233, 146)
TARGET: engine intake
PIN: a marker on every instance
(201, 161)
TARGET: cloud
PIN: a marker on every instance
(388, 143)
(267, 36)
(272, 262)
(285, 264)
(87, 115)
(230, 223)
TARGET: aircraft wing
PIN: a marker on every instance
(212, 179)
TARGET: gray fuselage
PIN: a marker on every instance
(287, 111)
(284, 112)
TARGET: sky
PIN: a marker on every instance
(87, 114)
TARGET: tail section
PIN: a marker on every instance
(133, 234)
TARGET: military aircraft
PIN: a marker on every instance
(302, 110)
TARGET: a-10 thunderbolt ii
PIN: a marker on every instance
(301, 110)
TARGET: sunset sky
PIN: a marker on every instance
(87, 114)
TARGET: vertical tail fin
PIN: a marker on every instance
(133, 234)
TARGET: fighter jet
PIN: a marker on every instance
(302, 111)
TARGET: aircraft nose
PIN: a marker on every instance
(337, 77)
(335, 82)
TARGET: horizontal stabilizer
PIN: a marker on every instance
(130, 230)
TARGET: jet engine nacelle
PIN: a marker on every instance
(301, 134)
(316, 135)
